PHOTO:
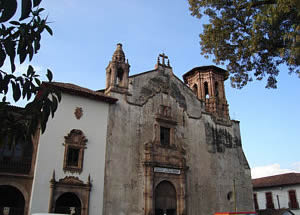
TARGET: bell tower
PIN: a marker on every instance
(207, 82)
(117, 72)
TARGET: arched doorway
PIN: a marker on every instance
(68, 203)
(11, 200)
(165, 199)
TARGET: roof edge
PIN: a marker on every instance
(76, 90)
(201, 68)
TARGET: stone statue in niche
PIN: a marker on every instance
(78, 112)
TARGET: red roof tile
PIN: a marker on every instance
(80, 91)
(277, 180)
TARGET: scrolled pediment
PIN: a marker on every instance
(76, 136)
(71, 180)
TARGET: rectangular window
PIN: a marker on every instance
(73, 157)
(293, 203)
(269, 200)
(255, 201)
(164, 136)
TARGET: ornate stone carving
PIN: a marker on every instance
(71, 180)
(78, 112)
(76, 137)
(219, 138)
(70, 184)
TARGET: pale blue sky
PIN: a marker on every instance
(85, 37)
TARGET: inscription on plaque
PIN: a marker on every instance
(167, 170)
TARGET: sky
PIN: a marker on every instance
(85, 37)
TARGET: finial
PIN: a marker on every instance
(168, 63)
(89, 180)
(158, 61)
(53, 176)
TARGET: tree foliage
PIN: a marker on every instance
(253, 36)
(20, 39)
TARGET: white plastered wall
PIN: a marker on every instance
(283, 196)
(50, 155)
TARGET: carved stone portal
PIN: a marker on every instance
(70, 185)
(165, 172)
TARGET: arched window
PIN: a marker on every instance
(120, 74)
(206, 90)
(195, 89)
(216, 89)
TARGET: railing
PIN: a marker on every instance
(11, 166)
(11, 211)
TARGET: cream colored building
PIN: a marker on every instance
(148, 144)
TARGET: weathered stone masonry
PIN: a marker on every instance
(172, 147)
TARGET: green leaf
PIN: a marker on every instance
(36, 46)
(16, 91)
(36, 3)
(30, 70)
(49, 75)
(25, 89)
(22, 57)
(49, 30)
(54, 105)
(37, 81)
(9, 9)
(30, 51)
(2, 56)
(26, 8)
(14, 23)
(11, 52)
(40, 10)
(58, 94)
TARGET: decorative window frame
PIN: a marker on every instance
(74, 140)
(164, 119)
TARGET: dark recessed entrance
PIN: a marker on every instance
(165, 199)
(68, 203)
(11, 200)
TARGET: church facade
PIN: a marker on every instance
(147, 144)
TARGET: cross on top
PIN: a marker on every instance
(163, 57)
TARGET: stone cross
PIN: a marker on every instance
(163, 56)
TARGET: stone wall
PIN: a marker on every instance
(209, 155)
